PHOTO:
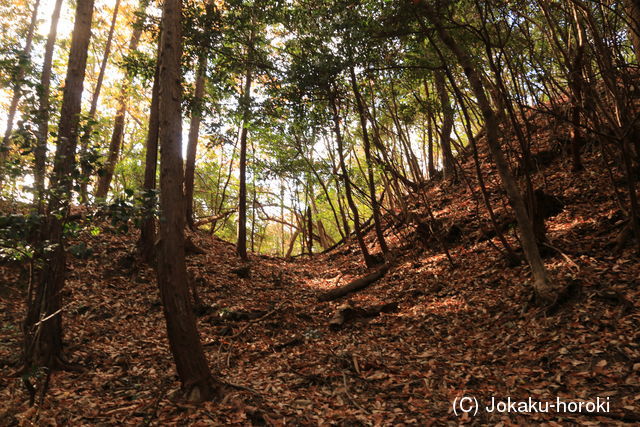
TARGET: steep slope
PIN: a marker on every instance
(456, 331)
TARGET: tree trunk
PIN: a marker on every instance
(431, 168)
(241, 245)
(354, 286)
(309, 230)
(148, 228)
(17, 89)
(545, 290)
(192, 145)
(368, 259)
(40, 151)
(367, 153)
(447, 126)
(115, 144)
(84, 142)
(43, 323)
(576, 84)
(512, 257)
(191, 364)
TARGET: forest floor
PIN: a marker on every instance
(467, 330)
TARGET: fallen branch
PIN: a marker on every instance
(355, 285)
(347, 313)
(213, 219)
(346, 391)
(251, 322)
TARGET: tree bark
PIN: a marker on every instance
(43, 323)
(197, 382)
(148, 228)
(40, 151)
(115, 144)
(545, 290)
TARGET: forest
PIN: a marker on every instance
(333, 212)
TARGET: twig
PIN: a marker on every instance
(241, 387)
(250, 322)
(565, 256)
(47, 318)
(346, 391)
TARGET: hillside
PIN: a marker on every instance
(444, 332)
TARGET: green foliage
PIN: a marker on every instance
(129, 210)
(16, 233)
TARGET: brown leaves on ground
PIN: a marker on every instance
(455, 332)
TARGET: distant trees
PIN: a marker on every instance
(23, 64)
(311, 123)
(115, 143)
(42, 115)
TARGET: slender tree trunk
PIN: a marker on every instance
(325, 190)
(511, 255)
(309, 230)
(367, 153)
(576, 84)
(368, 259)
(447, 126)
(40, 151)
(241, 245)
(544, 289)
(223, 196)
(84, 142)
(282, 217)
(148, 228)
(192, 146)
(431, 168)
(43, 323)
(197, 382)
(115, 144)
(17, 88)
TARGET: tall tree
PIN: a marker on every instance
(148, 227)
(43, 324)
(447, 125)
(197, 382)
(115, 144)
(375, 207)
(84, 142)
(544, 288)
(241, 245)
(194, 130)
(44, 92)
(368, 259)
